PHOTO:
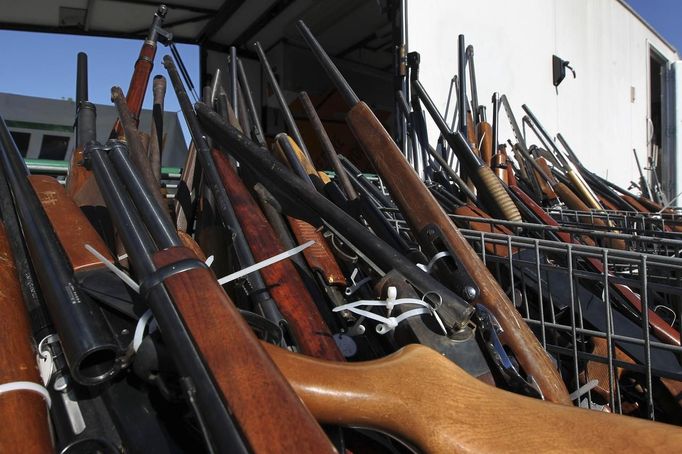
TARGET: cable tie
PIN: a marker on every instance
(434, 259)
(265, 263)
(27, 386)
(114, 269)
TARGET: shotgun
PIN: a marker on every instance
(491, 189)
(228, 374)
(435, 231)
(295, 302)
(91, 350)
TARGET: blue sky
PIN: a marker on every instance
(44, 65)
(664, 16)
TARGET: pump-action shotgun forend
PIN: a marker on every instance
(436, 232)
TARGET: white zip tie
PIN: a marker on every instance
(123, 276)
(388, 323)
(433, 261)
(27, 386)
(265, 263)
(584, 389)
(139, 329)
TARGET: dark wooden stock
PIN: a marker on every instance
(319, 256)
(663, 331)
(138, 84)
(69, 223)
(420, 210)
(635, 203)
(419, 396)
(269, 414)
(285, 285)
(24, 426)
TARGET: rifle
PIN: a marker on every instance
(201, 337)
(297, 306)
(23, 408)
(143, 68)
(260, 296)
(376, 393)
(434, 229)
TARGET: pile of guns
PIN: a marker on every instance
(350, 318)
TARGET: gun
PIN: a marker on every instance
(137, 149)
(297, 306)
(201, 337)
(143, 68)
(87, 340)
(491, 191)
(337, 393)
(432, 226)
(23, 406)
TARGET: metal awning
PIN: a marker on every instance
(355, 30)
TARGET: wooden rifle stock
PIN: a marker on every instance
(421, 210)
(319, 256)
(25, 427)
(303, 319)
(263, 403)
(500, 166)
(69, 223)
(422, 398)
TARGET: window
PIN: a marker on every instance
(22, 140)
(54, 147)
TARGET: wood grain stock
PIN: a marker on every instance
(420, 209)
(69, 223)
(138, 84)
(24, 426)
(420, 397)
(319, 256)
(284, 283)
(268, 412)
